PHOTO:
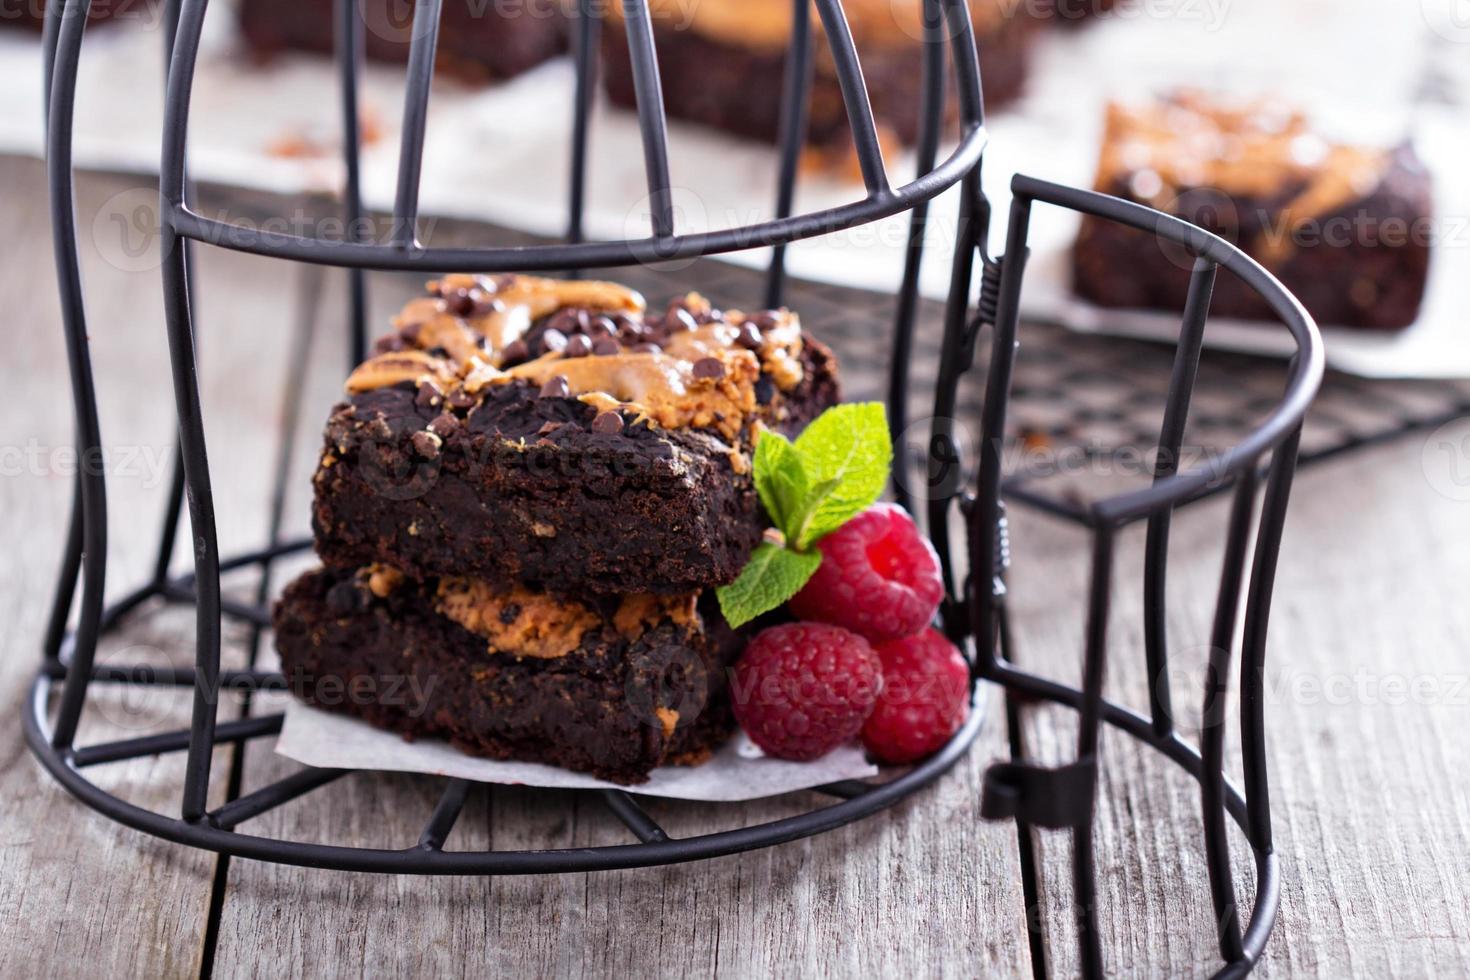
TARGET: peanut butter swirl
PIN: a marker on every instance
(697, 369)
(473, 319)
(766, 24)
(524, 623)
(1251, 149)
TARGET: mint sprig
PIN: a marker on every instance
(833, 471)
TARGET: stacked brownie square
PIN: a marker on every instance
(1345, 227)
(478, 40)
(723, 64)
(523, 508)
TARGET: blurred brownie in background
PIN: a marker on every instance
(723, 62)
(478, 39)
(1345, 228)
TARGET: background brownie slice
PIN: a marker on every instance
(614, 689)
(624, 469)
(476, 39)
(1345, 228)
(722, 63)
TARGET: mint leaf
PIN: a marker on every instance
(780, 478)
(848, 451)
(773, 575)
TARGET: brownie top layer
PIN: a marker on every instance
(766, 24)
(1256, 150)
(520, 622)
(693, 367)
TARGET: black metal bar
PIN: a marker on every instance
(420, 78)
(66, 578)
(796, 93)
(846, 789)
(626, 809)
(190, 412)
(446, 812)
(168, 676)
(283, 791)
(1253, 641)
(944, 471)
(549, 258)
(173, 510)
(252, 614)
(349, 55)
(586, 38)
(1212, 737)
(177, 741)
(1171, 442)
(985, 515)
(653, 121)
(855, 97)
(79, 360)
(967, 64)
(1089, 723)
(71, 556)
(1306, 369)
(931, 114)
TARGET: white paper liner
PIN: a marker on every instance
(738, 770)
(501, 153)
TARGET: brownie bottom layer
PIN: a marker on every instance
(616, 707)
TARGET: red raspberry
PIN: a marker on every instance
(879, 577)
(802, 689)
(925, 699)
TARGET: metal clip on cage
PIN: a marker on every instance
(975, 613)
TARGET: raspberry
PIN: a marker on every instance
(879, 577)
(925, 699)
(802, 689)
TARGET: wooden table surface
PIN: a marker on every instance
(1367, 720)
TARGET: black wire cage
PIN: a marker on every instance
(981, 313)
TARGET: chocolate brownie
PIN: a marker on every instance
(477, 40)
(614, 687)
(722, 63)
(1345, 228)
(31, 14)
(555, 435)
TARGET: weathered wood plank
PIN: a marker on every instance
(1370, 809)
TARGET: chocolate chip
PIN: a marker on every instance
(711, 315)
(547, 428)
(748, 336)
(509, 613)
(428, 395)
(563, 320)
(709, 367)
(646, 348)
(764, 320)
(680, 319)
(602, 326)
(345, 597)
(605, 346)
(426, 444)
(578, 346)
(608, 423)
(515, 352)
(444, 426)
(553, 340)
(584, 321)
(460, 303)
(460, 399)
(390, 345)
(765, 390)
(556, 387)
